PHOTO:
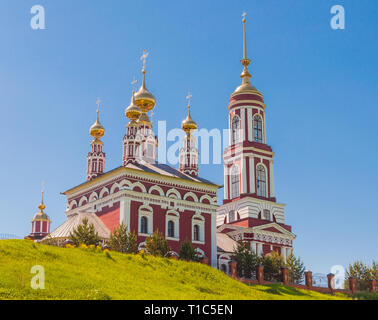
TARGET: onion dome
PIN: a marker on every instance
(133, 111)
(144, 119)
(143, 98)
(97, 130)
(188, 124)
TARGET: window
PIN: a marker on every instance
(150, 150)
(231, 216)
(171, 229)
(261, 181)
(235, 182)
(143, 225)
(196, 232)
(257, 129)
(235, 128)
(267, 215)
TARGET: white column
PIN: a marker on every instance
(283, 253)
(253, 247)
(242, 126)
(226, 182)
(124, 215)
(271, 182)
(244, 175)
(214, 239)
(259, 249)
(264, 133)
(250, 127)
(252, 175)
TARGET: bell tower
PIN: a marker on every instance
(248, 161)
(189, 152)
(96, 157)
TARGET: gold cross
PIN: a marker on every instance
(144, 58)
(189, 97)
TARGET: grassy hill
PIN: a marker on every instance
(72, 273)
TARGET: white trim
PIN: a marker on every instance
(193, 195)
(146, 211)
(140, 185)
(175, 192)
(158, 189)
(250, 128)
(175, 218)
(199, 220)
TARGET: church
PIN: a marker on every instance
(148, 196)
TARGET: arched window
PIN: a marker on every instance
(143, 225)
(235, 128)
(257, 129)
(171, 229)
(261, 181)
(231, 216)
(235, 182)
(267, 214)
(196, 232)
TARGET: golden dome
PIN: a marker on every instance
(144, 119)
(143, 98)
(188, 124)
(133, 111)
(41, 216)
(97, 130)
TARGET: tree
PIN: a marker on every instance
(187, 252)
(84, 234)
(296, 269)
(122, 240)
(246, 260)
(272, 266)
(157, 245)
(362, 273)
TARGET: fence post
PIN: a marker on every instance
(232, 268)
(373, 285)
(331, 282)
(260, 273)
(352, 284)
(285, 276)
(308, 279)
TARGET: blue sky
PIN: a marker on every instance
(320, 88)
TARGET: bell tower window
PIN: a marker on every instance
(257, 129)
(235, 182)
(261, 181)
(235, 128)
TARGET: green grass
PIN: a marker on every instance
(72, 273)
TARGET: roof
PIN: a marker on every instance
(226, 243)
(166, 170)
(73, 221)
(156, 168)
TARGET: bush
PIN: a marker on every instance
(157, 245)
(84, 234)
(187, 252)
(363, 274)
(122, 240)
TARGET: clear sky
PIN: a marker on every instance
(320, 88)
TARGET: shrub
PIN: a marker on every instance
(84, 234)
(157, 245)
(122, 240)
(187, 252)
(363, 274)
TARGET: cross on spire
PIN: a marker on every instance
(189, 97)
(42, 189)
(133, 83)
(144, 58)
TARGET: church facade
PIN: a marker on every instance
(148, 196)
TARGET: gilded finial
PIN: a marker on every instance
(143, 98)
(246, 85)
(133, 111)
(97, 130)
(42, 206)
(189, 124)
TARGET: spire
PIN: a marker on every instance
(42, 206)
(143, 98)
(246, 84)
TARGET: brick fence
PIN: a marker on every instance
(308, 281)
